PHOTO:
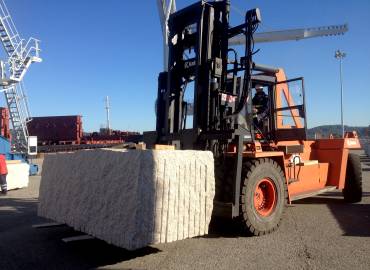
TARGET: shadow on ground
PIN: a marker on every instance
(43, 248)
(354, 219)
(16, 212)
(98, 253)
(226, 228)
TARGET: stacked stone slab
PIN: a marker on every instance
(366, 147)
(130, 199)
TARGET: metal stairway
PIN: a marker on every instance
(21, 55)
(19, 116)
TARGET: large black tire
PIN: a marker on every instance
(262, 176)
(352, 191)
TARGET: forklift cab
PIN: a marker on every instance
(285, 117)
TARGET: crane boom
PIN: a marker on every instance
(164, 10)
(293, 34)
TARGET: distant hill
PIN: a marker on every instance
(336, 130)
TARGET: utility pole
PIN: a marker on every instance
(107, 107)
(340, 55)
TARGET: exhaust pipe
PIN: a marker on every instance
(264, 68)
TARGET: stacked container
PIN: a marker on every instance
(57, 129)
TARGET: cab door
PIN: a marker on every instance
(289, 109)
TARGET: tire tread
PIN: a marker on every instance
(248, 168)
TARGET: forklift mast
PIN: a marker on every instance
(199, 54)
(262, 159)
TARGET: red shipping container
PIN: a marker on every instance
(56, 129)
(4, 123)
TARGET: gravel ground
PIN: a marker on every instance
(316, 233)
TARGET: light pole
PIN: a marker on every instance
(107, 107)
(340, 55)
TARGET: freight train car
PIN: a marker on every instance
(51, 130)
(114, 137)
(62, 133)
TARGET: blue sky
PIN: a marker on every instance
(92, 49)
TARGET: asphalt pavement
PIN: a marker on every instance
(321, 232)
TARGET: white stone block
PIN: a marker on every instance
(18, 175)
(130, 199)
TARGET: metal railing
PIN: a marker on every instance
(18, 50)
(19, 61)
(8, 22)
(24, 101)
(21, 53)
(17, 113)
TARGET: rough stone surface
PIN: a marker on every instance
(365, 144)
(18, 175)
(130, 199)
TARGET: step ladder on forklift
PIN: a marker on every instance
(21, 54)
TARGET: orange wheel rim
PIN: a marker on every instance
(264, 197)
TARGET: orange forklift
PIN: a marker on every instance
(261, 162)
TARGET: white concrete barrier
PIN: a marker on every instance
(18, 175)
(130, 199)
